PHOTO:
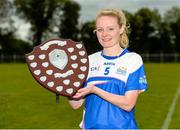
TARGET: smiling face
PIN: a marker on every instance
(108, 31)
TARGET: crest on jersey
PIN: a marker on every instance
(59, 65)
(121, 71)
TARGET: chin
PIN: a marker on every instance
(106, 46)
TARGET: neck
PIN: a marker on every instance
(112, 51)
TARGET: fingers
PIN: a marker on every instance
(84, 91)
(81, 93)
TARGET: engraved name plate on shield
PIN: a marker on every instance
(59, 65)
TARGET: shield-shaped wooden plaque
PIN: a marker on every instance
(59, 65)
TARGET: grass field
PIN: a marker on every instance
(25, 104)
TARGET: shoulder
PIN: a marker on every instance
(134, 61)
(95, 55)
(134, 57)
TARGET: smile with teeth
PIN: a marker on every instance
(106, 39)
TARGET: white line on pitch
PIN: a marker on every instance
(167, 121)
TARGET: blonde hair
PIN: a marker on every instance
(121, 19)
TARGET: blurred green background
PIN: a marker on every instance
(26, 23)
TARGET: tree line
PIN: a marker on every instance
(149, 32)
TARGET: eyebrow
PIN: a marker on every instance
(106, 27)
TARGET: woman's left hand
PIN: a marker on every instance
(84, 91)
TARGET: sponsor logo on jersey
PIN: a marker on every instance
(109, 63)
(96, 68)
(121, 71)
(142, 80)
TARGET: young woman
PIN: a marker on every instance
(116, 77)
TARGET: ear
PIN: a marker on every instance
(94, 31)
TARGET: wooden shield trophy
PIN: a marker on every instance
(59, 65)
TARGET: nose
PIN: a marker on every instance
(104, 33)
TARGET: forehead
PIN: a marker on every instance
(106, 20)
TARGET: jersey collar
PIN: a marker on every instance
(114, 57)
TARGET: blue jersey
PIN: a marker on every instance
(117, 75)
